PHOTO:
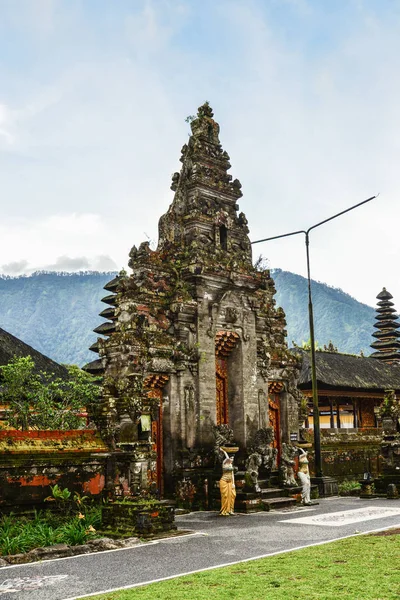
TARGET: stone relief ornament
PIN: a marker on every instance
(231, 314)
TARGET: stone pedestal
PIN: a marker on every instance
(390, 450)
(327, 486)
(367, 488)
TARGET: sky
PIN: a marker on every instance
(93, 100)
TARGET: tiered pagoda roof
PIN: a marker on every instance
(387, 335)
(95, 367)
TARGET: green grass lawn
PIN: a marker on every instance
(358, 568)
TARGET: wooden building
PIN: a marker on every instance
(350, 391)
(350, 388)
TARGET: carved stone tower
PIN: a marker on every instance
(194, 338)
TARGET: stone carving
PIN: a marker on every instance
(261, 445)
(243, 222)
(175, 181)
(253, 463)
(111, 428)
(212, 315)
(223, 437)
(231, 314)
(390, 449)
(287, 465)
(262, 454)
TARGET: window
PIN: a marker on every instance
(334, 414)
(223, 237)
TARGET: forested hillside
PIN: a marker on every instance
(56, 313)
(338, 317)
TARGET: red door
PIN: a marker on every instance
(274, 421)
(222, 391)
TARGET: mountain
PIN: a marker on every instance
(56, 313)
(338, 317)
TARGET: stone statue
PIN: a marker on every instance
(287, 464)
(227, 486)
(261, 453)
(304, 476)
(261, 444)
(252, 465)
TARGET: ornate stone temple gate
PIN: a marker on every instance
(196, 324)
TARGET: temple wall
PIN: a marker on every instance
(32, 461)
(349, 455)
(250, 386)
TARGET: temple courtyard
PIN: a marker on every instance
(206, 541)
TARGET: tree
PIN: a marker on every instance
(20, 387)
(42, 401)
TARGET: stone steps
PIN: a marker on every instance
(278, 503)
(267, 493)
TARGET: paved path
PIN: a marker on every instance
(218, 541)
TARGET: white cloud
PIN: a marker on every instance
(80, 237)
(104, 263)
(32, 18)
(5, 124)
(15, 268)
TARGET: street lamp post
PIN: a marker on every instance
(316, 424)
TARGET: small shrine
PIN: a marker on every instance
(194, 349)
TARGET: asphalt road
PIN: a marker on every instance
(217, 541)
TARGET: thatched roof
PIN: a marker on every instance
(345, 371)
(10, 346)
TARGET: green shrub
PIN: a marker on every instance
(21, 534)
(349, 487)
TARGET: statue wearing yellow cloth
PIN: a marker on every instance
(227, 486)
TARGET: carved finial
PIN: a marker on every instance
(204, 126)
(205, 110)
